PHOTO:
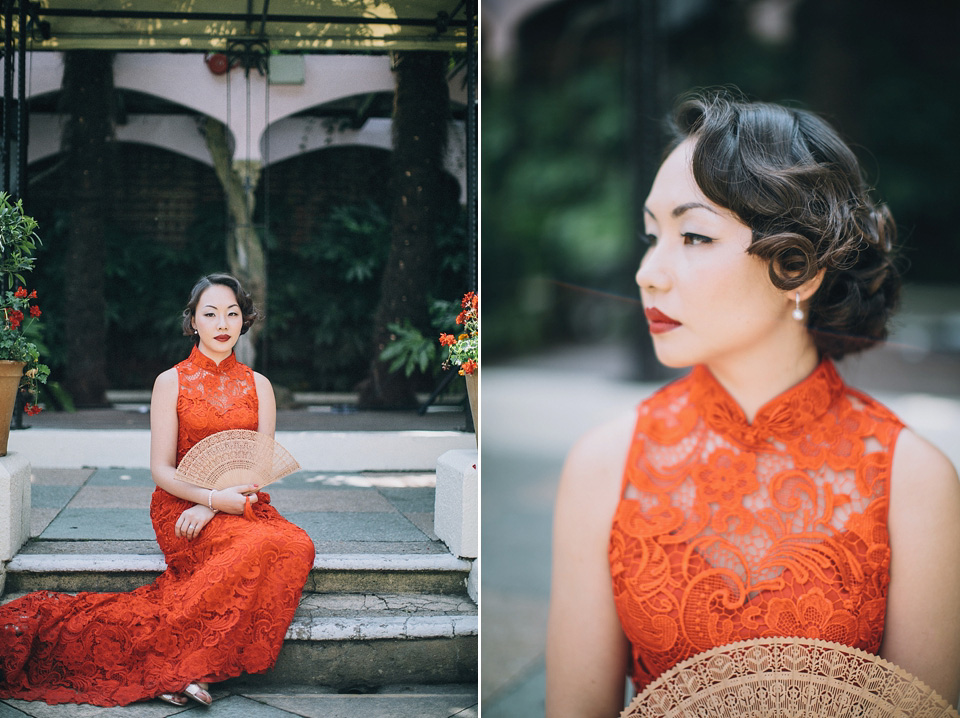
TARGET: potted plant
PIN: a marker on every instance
(19, 315)
(464, 350)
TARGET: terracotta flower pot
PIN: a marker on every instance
(473, 389)
(10, 374)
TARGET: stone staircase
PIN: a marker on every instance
(365, 620)
(385, 604)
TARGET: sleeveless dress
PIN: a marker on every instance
(220, 609)
(728, 530)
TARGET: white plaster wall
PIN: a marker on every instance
(185, 79)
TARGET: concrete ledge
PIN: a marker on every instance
(397, 628)
(314, 450)
(456, 504)
(14, 504)
(473, 582)
(61, 563)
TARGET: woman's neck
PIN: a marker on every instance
(755, 380)
(215, 358)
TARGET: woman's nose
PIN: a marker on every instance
(653, 273)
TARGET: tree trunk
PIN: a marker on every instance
(420, 114)
(87, 97)
(245, 256)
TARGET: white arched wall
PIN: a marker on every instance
(184, 79)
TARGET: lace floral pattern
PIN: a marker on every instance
(222, 607)
(729, 530)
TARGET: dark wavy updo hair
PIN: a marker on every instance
(787, 175)
(249, 312)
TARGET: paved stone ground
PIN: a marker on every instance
(239, 701)
(533, 411)
(343, 512)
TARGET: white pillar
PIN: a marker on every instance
(456, 506)
(14, 508)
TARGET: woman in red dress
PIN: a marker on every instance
(232, 584)
(759, 495)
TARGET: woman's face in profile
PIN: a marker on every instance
(706, 300)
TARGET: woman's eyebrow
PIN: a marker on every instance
(211, 306)
(677, 211)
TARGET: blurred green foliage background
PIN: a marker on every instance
(563, 116)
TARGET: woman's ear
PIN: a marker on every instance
(808, 288)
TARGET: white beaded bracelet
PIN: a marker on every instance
(210, 502)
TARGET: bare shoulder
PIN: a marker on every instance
(594, 467)
(262, 382)
(166, 383)
(922, 473)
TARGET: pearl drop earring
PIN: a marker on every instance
(798, 312)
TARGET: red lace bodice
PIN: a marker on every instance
(208, 394)
(728, 530)
(220, 609)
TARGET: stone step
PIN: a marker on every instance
(428, 573)
(364, 640)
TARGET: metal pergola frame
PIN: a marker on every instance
(457, 27)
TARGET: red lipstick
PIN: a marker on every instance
(222, 337)
(659, 322)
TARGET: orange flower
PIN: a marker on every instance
(469, 300)
(447, 340)
(812, 615)
(727, 476)
(469, 366)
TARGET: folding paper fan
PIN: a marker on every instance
(235, 457)
(787, 678)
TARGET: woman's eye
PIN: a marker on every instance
(650, 239)
(690, 238)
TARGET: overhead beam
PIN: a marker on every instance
(442, 18)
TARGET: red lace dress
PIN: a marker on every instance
(222, 607)
(728, 530)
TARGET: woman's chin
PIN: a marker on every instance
(672, 360)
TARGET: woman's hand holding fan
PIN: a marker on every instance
(237, 461)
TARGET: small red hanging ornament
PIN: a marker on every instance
(217, 62)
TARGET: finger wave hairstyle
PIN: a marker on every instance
(787, 175)
(249, 312)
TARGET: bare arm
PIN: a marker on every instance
(267, 419)
(922, 631)
(587, 652)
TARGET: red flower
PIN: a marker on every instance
(462, 318)
(35, 311)
(21, 293)
(469, 366)
(15, 317)
(469, 300)
(447, 340)
(33, 294)
(32, 409)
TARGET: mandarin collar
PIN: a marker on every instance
(784, 417)
(204, 362)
